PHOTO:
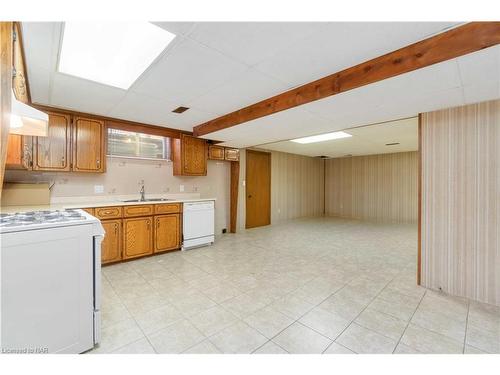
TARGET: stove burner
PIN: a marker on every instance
(40, 217)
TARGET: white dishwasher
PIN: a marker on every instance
(198, 224)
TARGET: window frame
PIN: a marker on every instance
(167, 142)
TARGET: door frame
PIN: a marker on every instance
(246, 181)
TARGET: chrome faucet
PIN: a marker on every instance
(142, 191)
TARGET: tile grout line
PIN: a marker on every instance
(466, 326)
(352, 321)
(409, 320)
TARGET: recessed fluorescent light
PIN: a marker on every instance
(322, 137)
(112, 53)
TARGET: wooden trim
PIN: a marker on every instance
(20, 42)
(5, 92)
(233, 205)
(115, 123)
(419, 246)
(459, 41)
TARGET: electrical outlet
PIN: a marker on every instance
(98, 189)
(181, 188)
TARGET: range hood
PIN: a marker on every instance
(26, 120)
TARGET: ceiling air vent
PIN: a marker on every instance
(180, 109)
(392, 144)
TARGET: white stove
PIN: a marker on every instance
(50, 281)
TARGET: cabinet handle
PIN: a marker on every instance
(62, 161)
(149, 224)
(98, 163)
(157, 223)
(116, 228)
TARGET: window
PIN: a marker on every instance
(137, 145)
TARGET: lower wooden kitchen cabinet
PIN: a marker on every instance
(137, 237)
(167, 232)
(135, 231)
(111, 247)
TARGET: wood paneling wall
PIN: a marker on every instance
(373, 187)
(461, 201)
(296, 186)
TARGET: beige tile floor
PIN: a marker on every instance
(319, 285)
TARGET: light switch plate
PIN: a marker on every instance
(181, 188)
(98, 189)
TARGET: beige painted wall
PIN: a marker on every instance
(461, 201)
(296, 187)
(123, 176)
(374, 187)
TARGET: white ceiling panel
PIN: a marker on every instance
(153, 111)
(342, 45)
(477, 68)
(40, 82)
(481, 93)
(251, 42)
(41, 44)
(82, 95)
(187, 71)
(246, 89)
(365, 140)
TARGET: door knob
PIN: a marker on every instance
(249, 196)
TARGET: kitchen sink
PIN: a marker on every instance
(148, 200)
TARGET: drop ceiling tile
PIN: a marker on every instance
(251, 42)
(140, 108)
(480, 67)
(187, 71)
(248, 88)
(82, 95)
(342, 45)
(41, 44)
(481, 92)
(39, 85)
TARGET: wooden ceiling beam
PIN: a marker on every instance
(456, 42)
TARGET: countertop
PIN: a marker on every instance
(101, 203)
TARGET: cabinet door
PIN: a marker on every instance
(88, 145)
(194, 152)
(52, 153)
(231, 154)
(111, 247)
(167, 232)
(18, 152)
(215, 152)
(137, 237)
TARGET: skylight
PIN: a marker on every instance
(112, 53)
(322, 137)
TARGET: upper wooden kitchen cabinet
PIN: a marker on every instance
(53, 152)
(231, 154)
(18, 152)
(137, 237)
(167, 232)
(190, 156)
(215, 152)
(111, 246)
(88, 145)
